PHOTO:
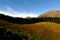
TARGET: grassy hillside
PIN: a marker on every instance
(36, 31)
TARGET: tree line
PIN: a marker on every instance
(19, 20)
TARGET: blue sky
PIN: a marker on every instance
(24, 8)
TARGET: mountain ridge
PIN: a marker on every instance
(51, 13)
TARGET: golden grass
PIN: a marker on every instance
(51, 26)
(43, 29)
(34, 27)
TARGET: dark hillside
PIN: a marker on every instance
(28, 21)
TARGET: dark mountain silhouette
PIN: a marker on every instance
(28, 20)
(17, 20)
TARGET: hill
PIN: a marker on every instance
(51, 13)
(39, 28)
(36, 31)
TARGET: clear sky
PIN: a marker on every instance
(24, 8)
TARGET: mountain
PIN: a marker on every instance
(51, 13)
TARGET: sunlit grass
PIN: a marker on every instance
(36, 31)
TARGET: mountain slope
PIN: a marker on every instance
(51, 13)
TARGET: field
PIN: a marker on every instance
(36, 31)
